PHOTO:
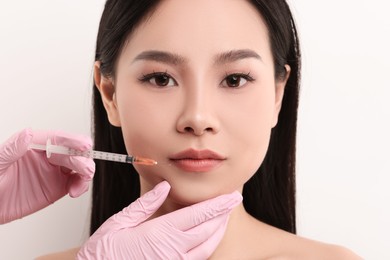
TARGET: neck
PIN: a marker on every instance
(243, 232)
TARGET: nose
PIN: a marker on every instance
(198, 115)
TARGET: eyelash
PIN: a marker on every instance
(246, 77)
(146, 78)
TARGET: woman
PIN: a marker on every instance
(209, 89)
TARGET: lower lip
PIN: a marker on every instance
(197, 165)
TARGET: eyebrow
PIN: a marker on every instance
(160, 56)
(176, 59)
(235, 55)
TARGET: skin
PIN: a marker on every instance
(199, 109)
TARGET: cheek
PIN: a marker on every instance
(250, 129)
(144, 119)
(147, 125)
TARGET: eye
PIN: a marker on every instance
(160, 79)
(236, 80)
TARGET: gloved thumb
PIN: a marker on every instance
(138, 211)
(14, 148)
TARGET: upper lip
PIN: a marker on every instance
(197, 155)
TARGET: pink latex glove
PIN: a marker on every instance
(29, 181)
(193, 232)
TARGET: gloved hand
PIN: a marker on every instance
(29, 181)
(193, 232)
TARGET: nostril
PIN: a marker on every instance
(188, 129)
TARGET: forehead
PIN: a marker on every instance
(201, 28)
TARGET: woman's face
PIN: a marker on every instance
(195, 90)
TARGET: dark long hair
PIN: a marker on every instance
(269, 195)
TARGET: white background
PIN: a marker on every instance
(46, 57)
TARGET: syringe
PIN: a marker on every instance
(115, 157)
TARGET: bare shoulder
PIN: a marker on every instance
(339, 252)
(64, 255)
(281, 245)
(263, 241)
(304, 248)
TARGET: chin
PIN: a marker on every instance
(191, 188)
(192, 193)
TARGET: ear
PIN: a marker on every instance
(279, 93)
(107, 92)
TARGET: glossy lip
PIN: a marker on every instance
(192, 160)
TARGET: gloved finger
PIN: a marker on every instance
(214, 233)
(77, 142)
(191, 216)
(14, 148)
(138, 211)
(199, 236)
(77, 186)
(82, 166)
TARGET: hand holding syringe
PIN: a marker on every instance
(56, 149)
